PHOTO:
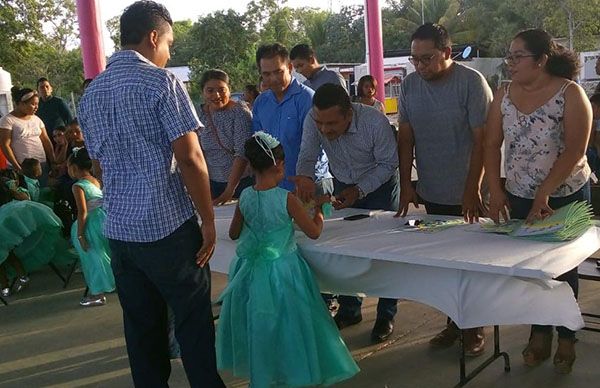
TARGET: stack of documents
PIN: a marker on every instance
(567, 223)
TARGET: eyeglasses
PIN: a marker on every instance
(515, 59)
(425, 60)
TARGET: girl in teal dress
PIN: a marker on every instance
(274, 327)
(86, 232)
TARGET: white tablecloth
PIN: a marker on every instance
(476, 278)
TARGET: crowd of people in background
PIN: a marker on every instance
(107, 180)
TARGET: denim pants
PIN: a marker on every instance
(217, 188)
(384, 198)
(519, 208)
(150, 276)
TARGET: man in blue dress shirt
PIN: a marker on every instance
(281, 110)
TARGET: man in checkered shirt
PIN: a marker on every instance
(139, 124)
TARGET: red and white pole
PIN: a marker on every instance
(375, 45)
(90, 32)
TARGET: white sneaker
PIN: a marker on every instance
(93, 302)
(21, 283)
(6, 292)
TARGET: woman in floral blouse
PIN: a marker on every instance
(227, 126)
(545, 120)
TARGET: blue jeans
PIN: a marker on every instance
(217, 188)
(519, 208)
(150, 276)
(384, 198)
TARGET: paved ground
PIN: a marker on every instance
(47, 340)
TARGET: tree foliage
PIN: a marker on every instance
(39, 37)
(37, 41)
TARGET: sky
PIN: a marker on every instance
(186, 9)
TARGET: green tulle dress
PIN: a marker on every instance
(95, 262)
(42, 195)
(33, 232)
(274, 327)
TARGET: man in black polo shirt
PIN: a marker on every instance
(53, 111)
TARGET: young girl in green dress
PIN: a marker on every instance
(274, 327)
(86, 232)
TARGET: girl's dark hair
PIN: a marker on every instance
(363, 80)
(252, 89)
(5, 176)
(258, 158)
(17, 93)
(81, 159)
(28, 165)
(211, 74)
(562, 62)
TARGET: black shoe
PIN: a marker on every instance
(345, 321)
(382, 329)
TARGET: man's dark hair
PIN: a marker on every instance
(302, 51)
(330, 95)
(434, 32)
(40, 80)
(269, 51)
(140, 18)
(595, 99)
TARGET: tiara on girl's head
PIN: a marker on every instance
(76, 150)
(267, 143)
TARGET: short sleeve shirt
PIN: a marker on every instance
(442, 114)
(130, 115)
(223, 139)
(25, 137)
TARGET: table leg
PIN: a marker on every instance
(595, 322)
(57, 272)
(464, 378)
